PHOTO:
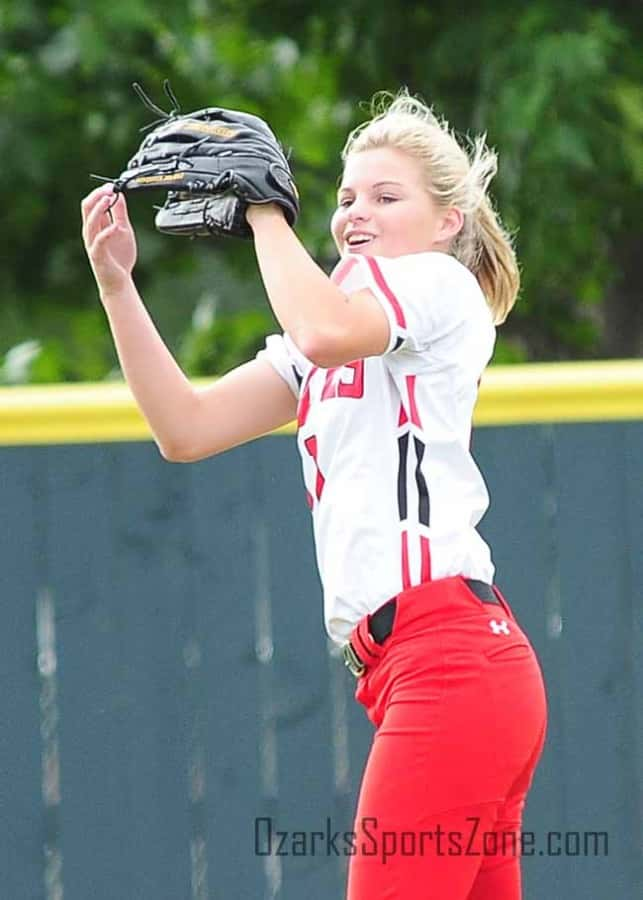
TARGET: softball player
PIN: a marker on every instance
(380, 364)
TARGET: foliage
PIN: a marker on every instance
(222, 342)
(556, 86)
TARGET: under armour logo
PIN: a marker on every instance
(499, 627)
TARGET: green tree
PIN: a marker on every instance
(556, 86)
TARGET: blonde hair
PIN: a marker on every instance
(455, 177)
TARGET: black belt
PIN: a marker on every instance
(380, 624)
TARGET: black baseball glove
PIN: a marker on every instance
(213, 163)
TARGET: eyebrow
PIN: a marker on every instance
(376, 185)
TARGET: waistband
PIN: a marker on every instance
(374, 629)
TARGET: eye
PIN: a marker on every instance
(344, 202)
(387, 198)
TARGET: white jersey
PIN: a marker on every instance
(385, 441)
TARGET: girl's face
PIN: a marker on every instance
(384, 209)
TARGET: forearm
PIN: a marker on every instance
(305, 301)
(163, 393)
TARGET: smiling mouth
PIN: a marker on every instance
(359, 244)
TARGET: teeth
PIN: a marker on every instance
(359, 239)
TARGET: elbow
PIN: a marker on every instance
(177, 451)
(178, 446)
(172, 453)
(323, 350)
(181, 453)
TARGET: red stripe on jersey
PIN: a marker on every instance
(410, 386)
(426, 559)
(341, 271)
(319, 486)
(309, 500)
(385, 289)
(406, 572)
(303, 407)
(311, 446)
(403, 417)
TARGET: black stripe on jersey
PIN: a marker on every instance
(424, 506)
(298, 377)
(398, 344)
(403, 449)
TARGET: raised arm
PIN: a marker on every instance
(187, 424)
(330, 327)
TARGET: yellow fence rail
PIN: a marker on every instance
(509, 395)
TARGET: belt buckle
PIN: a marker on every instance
(352, 661)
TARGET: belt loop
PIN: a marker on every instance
(360, 651)
(363, 643)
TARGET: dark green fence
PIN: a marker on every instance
(166, 681)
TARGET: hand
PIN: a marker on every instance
(110, 245)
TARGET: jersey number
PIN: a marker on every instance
(334, 386)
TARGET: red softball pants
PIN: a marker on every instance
(457, 697)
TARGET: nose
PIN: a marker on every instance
(358, 211)
(355, 218)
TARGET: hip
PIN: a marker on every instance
(446, 644)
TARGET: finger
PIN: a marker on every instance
(92, 220)
(94, 197)
(90, 204)
(104, 190)
(119, 211)
(101, 239)
(97, 219)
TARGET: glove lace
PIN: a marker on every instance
(164, 116)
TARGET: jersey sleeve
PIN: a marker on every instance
(425, 296)
(282, 354)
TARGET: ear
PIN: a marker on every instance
(451, 224)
